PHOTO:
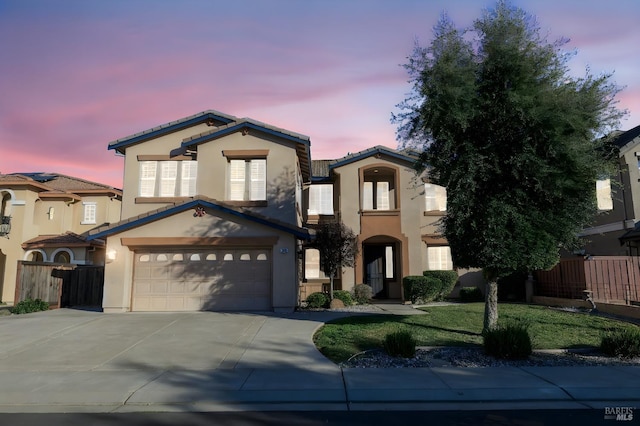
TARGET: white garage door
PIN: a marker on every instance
(195, 280)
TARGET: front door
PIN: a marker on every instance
(380, 265)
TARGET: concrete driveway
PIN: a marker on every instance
(68, 360)
(72, 340)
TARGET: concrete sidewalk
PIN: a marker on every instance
(72, 361)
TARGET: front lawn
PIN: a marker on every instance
(461, 325)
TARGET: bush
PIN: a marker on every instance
(400, 343)
(343, 295)
(511, 341)
(29, 305)
(362, 294)
(318, 300)
(447, 280)
(471, 294)
(421, 289)
(623, 343)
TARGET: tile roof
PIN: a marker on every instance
(55, 183)
(625, 137)
(174, 208)
(201, 117)
(321, 169)
(68, 239)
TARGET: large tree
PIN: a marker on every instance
(513, 137)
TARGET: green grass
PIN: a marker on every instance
(461, 325)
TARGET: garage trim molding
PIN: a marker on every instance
(136, 242)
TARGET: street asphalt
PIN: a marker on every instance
(78, 361)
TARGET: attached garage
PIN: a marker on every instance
(220, 279)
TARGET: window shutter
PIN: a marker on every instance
(237, 171)
(188, 178)
(314, 195)
(439, 258)
(258, 190)
(603, 194)
(367, 196)
(311, 263)
(168, 176)
(147, 178)
(382, 196)
(89, 213)
(321, 199)
(326, 199)
(435, 197)
(441, 197)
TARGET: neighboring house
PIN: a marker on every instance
(618, 199)
(217, 211)
(45, 217)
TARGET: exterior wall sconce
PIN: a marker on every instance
(111, 255)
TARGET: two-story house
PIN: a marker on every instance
(618, 200)
(217, 212)
(211, 217)
(45, 217)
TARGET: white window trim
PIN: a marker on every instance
(438, 259)
(86, 217)
(604, 199)
(435, 197)
(313, 270)
(321, 200)
(170, 178)
(250, 185)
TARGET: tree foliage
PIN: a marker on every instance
(513, 137)
(338, 248)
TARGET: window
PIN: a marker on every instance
(435, 197)
(439, 258)
(248, 180)
(168, 178)
(312, 269)
(89, 214)
(320, 199)
(62, 257)
(388, 260)
(603, 194)
(378, 189)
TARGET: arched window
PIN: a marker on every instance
(62, 257)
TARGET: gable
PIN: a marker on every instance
(197, 208)
(210, 118)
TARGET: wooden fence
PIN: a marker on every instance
(611, 279)
(60, 284)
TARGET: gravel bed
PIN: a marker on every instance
(475, 357)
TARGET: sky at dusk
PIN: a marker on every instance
(78, 74)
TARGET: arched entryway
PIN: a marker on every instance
(382, 264)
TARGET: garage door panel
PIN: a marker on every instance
(191, 280)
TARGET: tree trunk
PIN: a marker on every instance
(331, 287)
(491, 304)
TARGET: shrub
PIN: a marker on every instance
(511, 341)
(421, 289)
(400, 343)
(343, 295)
(447, 280)
(362, 293)
(471, 294)
(623, 343)
(29, 305)
(317, 300)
